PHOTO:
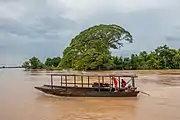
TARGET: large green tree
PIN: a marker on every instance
(91, 48)
(33, 63)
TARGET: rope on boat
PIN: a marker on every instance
(128, 82)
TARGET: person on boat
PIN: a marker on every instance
(123, 83)
(115, 83)
(129, 88)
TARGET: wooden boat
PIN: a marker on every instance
(74, 85)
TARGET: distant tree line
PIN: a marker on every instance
(36, 63)
(162, 57)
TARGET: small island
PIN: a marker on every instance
(90, 50)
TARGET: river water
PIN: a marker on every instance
(20, 101)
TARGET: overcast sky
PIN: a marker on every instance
(43, 28)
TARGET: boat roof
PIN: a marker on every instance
(97, 74)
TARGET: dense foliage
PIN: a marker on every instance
(162, 57)
(91, 48)
(33, 63)
(52, 62)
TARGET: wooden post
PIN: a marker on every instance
(103, 79)
(88, 81)
(61, 80)
(110, 84)
(110, 80)
(99, 83)
(119, 82)
(74, 80)
(133, 83)
(82, 80)
(51, 82)
(66, 82)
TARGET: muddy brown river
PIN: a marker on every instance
(20, 101)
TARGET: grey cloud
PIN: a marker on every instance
(42, 28)
(148, 27)
(173, 35)
(171, 38)
(39, 20)
(177, 27)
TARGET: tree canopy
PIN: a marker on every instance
(33, 63)
(91, 48)
(52, 62)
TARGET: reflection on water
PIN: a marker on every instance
(20, 101)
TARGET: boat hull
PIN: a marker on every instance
(84, 92)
